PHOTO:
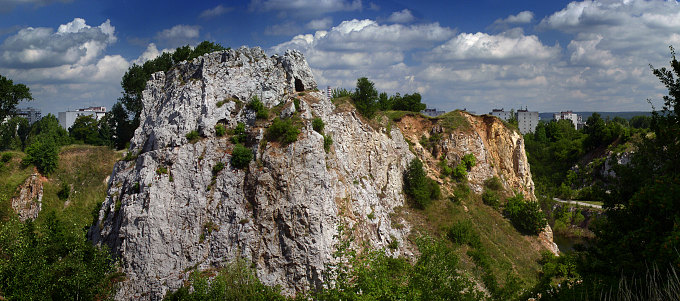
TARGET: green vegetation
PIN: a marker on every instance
(239, 134)
(318, 125)
(525, 215)
(365, 97)
(420, 189)
(453, 121)
(240, 156)
(10, 95)
(220, 130)
(261, 112)
(282, 130)
(217, 168)
(327, 142)
(236, 281)
(193, 136)
(491, 198)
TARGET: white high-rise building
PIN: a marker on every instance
(569, 115)
(505, 116)
(66, 119)
(527, 121)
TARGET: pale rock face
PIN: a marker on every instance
(282, 213)
(28, 200)
(168, 211)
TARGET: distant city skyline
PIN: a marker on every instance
(547, 55)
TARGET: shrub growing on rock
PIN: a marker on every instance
(256, 105)
(318, 125)
(220, 130)
(240, 157)
(239, 133)
(282, 131)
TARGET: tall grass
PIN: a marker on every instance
(655, 285)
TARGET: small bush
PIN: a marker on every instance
(318, 125)
(256, 105)
(340, 92)
(490, 198)
(220, 130)
(161, 170)
(239, 133)
(418, 187)
(462, 233)
(461, 193)
(241, 156)
(283, 131)
(460, 172)
(44, 154)
(193, 136)
(64, 192)
(493, 183)
(469, 161)
(217, 168)
(327, 142)
(445, 169)
(6, 157)
(526, 216)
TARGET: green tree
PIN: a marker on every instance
(48, 127)
(365, 97)
(43, 153)
(408, 102)
(13, 133)
(526, 216)
(120, 126)
(10, 95)
(86, 130)
(418, 187)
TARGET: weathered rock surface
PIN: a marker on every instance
(28, 201)
(169, 211)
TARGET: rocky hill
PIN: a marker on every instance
(171, 207)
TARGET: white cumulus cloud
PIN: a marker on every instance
(178, 35)
(403, 16)
(215, 11)
(305, 7)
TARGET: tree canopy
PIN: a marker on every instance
(10, 95)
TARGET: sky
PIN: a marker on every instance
(476, 55)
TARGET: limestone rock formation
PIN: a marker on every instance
(28, 201)
(170, 209)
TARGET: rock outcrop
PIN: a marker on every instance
(171, 209)
(28, 201)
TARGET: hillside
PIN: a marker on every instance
(188, 196)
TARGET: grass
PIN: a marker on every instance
(84, 168)
(505, 249)
(12, 174)
(453, 120)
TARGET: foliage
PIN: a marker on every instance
(13, 133)
(493, 183)
(48, 128)
(296, 103)
(239, 133)
(218, 167)
(408, 102)
(258, 107)
(318, 125)
(50, 261)
(44, 154)
(236, 281)
(365, 97)
(340, 92)
(327, 142)
(469, 161)
(88, 130)
(193, 136)
(461, 193)
(445, 169)
(418, 187)
(220, 130)
(459, 172)
(375, 276)
(462, 233)
(64, 192)
(526, 216)
(10, 95)
(122, 129)
(491, 198)
(283, 131)
(240, 156)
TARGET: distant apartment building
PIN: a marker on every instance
(66, 119)
(432, 112)
(527, 121)
(571, 116)
(500, 113)
(32, 114)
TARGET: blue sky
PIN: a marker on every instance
(479, 55)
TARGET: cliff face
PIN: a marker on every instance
(168, 210)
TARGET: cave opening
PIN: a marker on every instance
(299, 87)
